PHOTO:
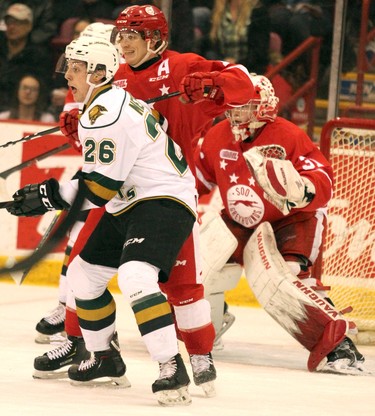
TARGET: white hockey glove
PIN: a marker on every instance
(284, 187)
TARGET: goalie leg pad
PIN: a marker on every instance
(217, 244)
(305, 315)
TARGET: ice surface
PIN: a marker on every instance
(261, 371)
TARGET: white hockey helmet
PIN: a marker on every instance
(262, 108)
(101, 30)
(98, 53)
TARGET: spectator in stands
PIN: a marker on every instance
(29, 102)
(232, 22)
(44, 22)
(18, 55)
(241, 32)
(279, 14)
(92, 9)
(80, 25)
(309, 18)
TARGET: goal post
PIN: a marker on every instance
(347, 263)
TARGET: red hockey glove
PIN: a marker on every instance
(69, 127)
(201, 86)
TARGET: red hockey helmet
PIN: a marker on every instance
(148, 20)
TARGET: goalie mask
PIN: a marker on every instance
(147, 20)
(260, 109)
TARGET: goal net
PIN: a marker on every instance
(348, 257)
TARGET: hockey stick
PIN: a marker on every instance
(29, 162)
(18, 277)
(163, 97)
(54, 238)
(32, 136)
(57, 128)
(6, 204)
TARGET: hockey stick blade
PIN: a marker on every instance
(32, 136)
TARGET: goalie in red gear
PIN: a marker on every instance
(269, 171)
(151, 71)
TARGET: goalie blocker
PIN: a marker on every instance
(305, 315)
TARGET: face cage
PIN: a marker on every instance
(244, 120)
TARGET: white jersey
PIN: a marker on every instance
(127, 155)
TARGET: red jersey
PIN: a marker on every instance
(219, 161)
(186, 122)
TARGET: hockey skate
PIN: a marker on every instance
(53, 364)
(171, 387)
(204, 373)
(50, 329)
(345, 359)
(101, 369)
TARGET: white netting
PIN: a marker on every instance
(349, 255)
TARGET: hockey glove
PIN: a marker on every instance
(284, 187)
(69, 127)
(200, 86)
(37, 199)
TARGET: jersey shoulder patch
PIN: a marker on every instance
(104, 110)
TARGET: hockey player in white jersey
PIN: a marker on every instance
(51, 328)
(131, 166)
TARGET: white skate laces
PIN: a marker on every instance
(87, 364)
(204, 372)
(61, 351)
(200, 363)
(57, 315)
(167, 369)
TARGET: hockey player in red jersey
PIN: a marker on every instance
(268, 171)
(208, 88)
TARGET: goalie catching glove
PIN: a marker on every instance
(284, 187)
(37, 199)
(69, 127)
(200, 86)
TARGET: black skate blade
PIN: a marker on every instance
(179, 397)
(50, 375)
(108, 382)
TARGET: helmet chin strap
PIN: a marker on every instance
(91, 89)
(151, 52)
